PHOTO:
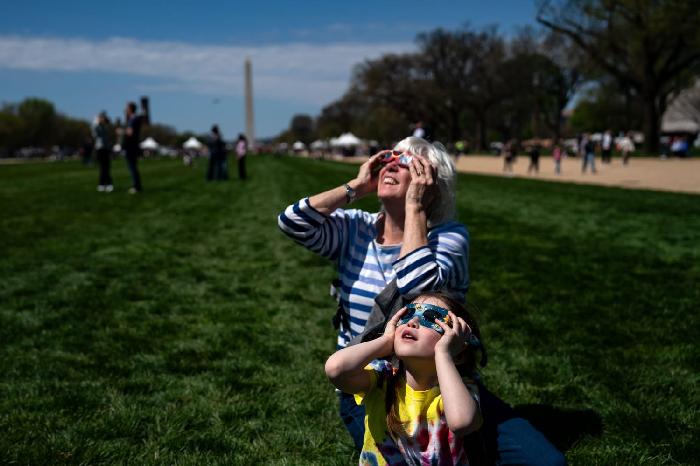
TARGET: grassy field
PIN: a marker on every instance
(181, 327)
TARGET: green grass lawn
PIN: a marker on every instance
(181, 327)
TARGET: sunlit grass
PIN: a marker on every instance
(180, 326)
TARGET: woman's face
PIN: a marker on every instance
(394, 179)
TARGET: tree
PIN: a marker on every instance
(605, 107)
(301, 128)
(10, 130)
(650, 47)
(38, 117)
(165, 135)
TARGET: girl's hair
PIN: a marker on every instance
(467, 366)
(443, 209)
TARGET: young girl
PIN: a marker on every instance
(418, 412)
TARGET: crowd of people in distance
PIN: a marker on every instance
(108, 137)
(587, 147)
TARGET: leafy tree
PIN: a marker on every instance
(650, 47)
(164, 134)
(10, 130)
(38, 117)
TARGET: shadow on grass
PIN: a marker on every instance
(562, 427)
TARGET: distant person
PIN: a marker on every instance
(534, 160)
(217, 170)
(241, 152)
(683, 147)
(556, 156)
(588, 150)
(626, 147)
(419, 131)
(509, 151)
(606, 146)
(102, 133)
(86, 151)
(132, 151)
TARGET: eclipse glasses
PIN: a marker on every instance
(427, 315)
(402, 157)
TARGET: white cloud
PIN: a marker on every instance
(297, 72)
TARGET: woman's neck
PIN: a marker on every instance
(391, 228)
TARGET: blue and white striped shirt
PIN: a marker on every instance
(366, 268)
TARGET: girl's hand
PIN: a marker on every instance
(390, 329)
(422, 191)
(368, 175)
(454, 340)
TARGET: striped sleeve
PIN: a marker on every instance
(313, 230)
(442, 264)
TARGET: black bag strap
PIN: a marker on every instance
(386, 304)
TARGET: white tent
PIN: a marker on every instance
(318, 145)
(298, 145)
(192, 143)
(346, 140)
(680, 126)
(149, 144)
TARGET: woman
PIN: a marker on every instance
(217, 169)
(413, 239)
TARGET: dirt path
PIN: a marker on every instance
(681, 175)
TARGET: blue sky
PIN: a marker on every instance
(188, 56)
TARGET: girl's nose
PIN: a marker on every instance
(414, 322)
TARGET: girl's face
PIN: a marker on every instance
(394, 179)
(415, 341)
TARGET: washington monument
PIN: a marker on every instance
(249, 121)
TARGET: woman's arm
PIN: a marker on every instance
(419, 197)
(309, 221)
(346, 368)
(435, 260)
(443, 263)
(364, 184)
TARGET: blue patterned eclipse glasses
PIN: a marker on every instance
(427, 315)
(402, 157)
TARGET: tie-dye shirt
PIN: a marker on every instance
(428, 440)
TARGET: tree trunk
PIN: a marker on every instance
(482, 143)
(652, 124)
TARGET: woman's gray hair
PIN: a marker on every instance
(443, 209)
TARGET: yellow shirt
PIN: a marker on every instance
(427, 438)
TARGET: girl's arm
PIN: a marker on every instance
(346, 368)
(461, 411)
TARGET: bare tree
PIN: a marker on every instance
(650, 47)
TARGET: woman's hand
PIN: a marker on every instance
(422, 191)
(368, 176)
(454, 340)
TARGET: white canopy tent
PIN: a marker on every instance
(149, 144)
(346, 140)
(318, 145)
(193, 144)
(298, 146)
